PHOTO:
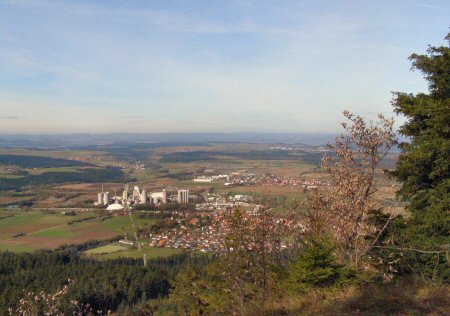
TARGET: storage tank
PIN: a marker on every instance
(183, 196)
(143, 198)
(100, 198)
(106, 198)
(164, 196)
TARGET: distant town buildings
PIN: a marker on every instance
(248, 179)
(203, 179)
(134, 195)
(205, 231)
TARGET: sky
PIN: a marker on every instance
(208, 66)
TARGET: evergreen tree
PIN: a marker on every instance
(315, 267)
(423, 166)
(184, 291)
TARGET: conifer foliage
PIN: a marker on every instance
(424, 167)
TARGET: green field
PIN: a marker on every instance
(56, 233)
(39, 171)
(104, 249)
(114, 251)
(29, 222)
(14, 248)
(28, 231)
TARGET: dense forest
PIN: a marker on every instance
(25, 161)
(131, 151)
(108, 174)
(108, 285)
(85, 173)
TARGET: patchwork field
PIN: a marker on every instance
(115, 250)
(22, 232)
(73, 177)
(60, 179)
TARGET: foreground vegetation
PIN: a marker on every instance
(104, 285)
(353, 256)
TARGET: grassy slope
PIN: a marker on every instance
(407, 296)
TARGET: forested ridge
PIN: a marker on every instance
(105, 285)
(26, 161)
(108, 174)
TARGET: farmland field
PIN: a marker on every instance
(28, 222)
(39, 171)
(71, 178)
(21, 232)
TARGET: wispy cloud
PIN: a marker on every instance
(428, 6)
(9, 117)
(185, 66)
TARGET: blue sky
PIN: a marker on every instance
(207, 66)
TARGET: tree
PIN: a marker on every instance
(185, 292)
(343, 209)
(247, 245)
(424, 165)
(314, 267)
(242, 278)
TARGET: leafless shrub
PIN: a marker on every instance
(341, 209)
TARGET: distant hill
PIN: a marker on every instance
(25, 161)
(69, 140)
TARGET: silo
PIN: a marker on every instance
(136, 193)
(106, 198)
(164, 196)
(143, 199)
(183, 196)
(100, 198)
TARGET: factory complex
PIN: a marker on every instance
(137, 196)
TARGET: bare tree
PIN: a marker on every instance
(251, 245)
(52, 304)
(341, 209)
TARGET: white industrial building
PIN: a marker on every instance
(204, 179)
(159, 197)
(115, 207)
(137, 196)
(183, 196)
(143, 197)
(103, 198)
